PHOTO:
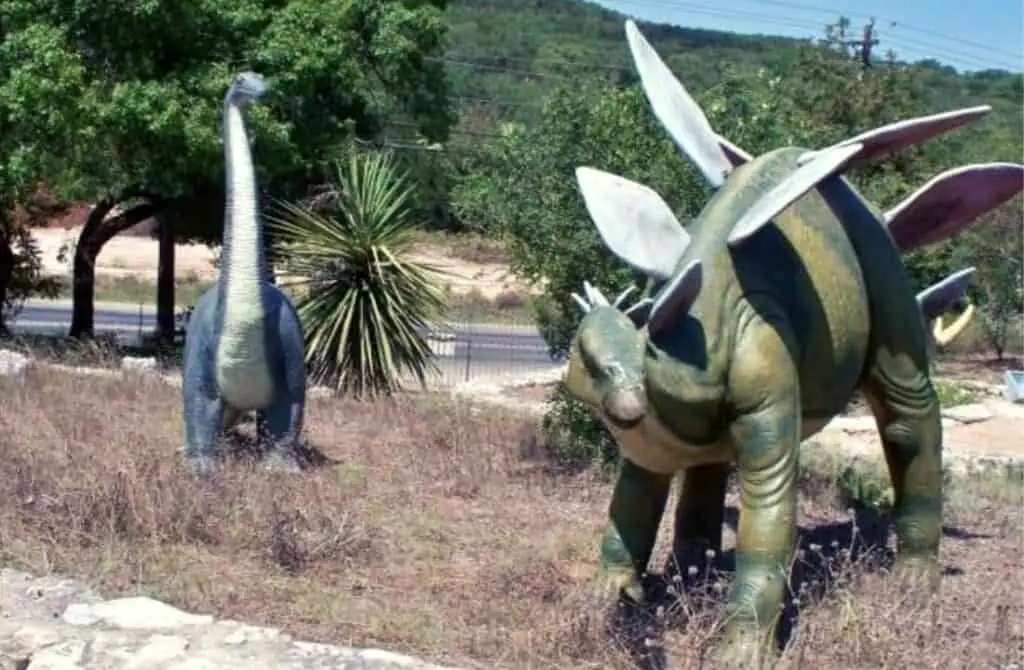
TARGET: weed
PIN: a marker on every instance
(431, 533)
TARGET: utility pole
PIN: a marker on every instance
(856, 49)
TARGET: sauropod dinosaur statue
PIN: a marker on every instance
(784, 296)
(244, 343)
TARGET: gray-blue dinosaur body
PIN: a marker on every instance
(244, 345)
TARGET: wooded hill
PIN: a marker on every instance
(504, 55)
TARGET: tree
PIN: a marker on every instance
(995, 246)
(363, 301)
(33, 76)
(152, 76)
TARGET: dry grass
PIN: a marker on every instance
(438, 531)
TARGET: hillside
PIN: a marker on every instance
(504, 55)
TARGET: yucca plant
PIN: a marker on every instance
(364, 303)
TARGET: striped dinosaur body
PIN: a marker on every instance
(785, 296)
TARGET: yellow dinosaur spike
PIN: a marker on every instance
(943, 336)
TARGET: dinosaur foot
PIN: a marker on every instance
(201, 465)
(920, 574)
(613, 582)
(280, 461)
(745, 649)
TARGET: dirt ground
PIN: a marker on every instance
(129, 254)
(446, 532)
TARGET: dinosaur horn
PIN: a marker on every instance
(943, 336)
(622, 296)
(677, 111)
(594, 295)
(896, 136)
(584, 305)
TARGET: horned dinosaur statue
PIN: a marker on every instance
(784, 296)
(244, 343)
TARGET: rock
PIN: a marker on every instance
(158, 651)
(852, 424)
(971, 413)
(140, 633)
(133, 613)
(12, 363)
(138, 364)
(67, 655)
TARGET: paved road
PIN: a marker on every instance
(482, 345)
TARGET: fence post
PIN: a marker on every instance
(469, 348)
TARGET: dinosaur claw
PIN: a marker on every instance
(203, 466)
(610, 583)
(278, 462)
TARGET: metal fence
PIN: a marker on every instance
(470, 350)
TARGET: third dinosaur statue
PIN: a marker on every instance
(244, 344)
(784, 296)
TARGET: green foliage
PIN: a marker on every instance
(995, 246)
(865, 488)
(147, 80)
(572, 434)
(523, 188)
(525, 192)
(364, 302)
(952, 394)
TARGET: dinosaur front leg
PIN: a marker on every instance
(766, 436)
(700, 515)
(638, 503)
(282, 422)
(204, 417)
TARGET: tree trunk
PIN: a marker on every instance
(6, 273)
(165, 282)
(95, 233)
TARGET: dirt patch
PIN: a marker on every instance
(429, 533)
(996, 436)
(125, 255)
(978, 367)
(137, 255)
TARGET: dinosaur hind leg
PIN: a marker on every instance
(906, 409)
(700, 514)
(282, 424)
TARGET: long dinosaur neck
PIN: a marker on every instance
(243, 263)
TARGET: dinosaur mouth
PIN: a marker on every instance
(626, 407)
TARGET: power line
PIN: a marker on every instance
(674, 4)
(696, 8)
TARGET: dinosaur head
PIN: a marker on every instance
(247, 87)
(606, 364)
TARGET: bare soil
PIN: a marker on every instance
(446, 531)
(136, 255)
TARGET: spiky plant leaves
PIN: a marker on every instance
(364, 302)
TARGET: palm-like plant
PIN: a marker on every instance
(363, 303)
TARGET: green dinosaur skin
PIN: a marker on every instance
(786, 327)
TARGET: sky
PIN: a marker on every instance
(967, 34)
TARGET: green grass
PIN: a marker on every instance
(509, 307)
(952, 394)
(134, 290)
